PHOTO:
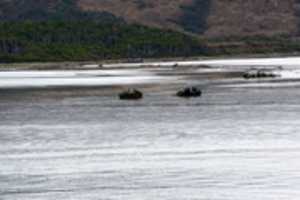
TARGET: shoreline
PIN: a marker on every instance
(124, 63)
(203, 73)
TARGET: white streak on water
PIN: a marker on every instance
(38, 79)
(290, 74)
(92, 81)
(71, 73)
(287, 61)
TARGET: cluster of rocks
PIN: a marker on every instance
(131, 94)
(134, 94)
(260, 73)
(189, 92)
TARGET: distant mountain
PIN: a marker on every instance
(44, 30)
(209, 18)
(45, 10)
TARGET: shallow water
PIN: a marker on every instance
(241, 140)
(233, 143)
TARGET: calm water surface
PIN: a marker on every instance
(234, 143)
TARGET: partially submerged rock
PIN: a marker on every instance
(261, 73)
(189, 92)
(131, 94)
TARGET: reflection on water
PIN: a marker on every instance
(234, 143)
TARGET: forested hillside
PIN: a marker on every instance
(56, 30)
(87, 40)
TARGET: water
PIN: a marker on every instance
(233, 143)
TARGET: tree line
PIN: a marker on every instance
(88, 40)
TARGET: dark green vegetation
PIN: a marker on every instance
(28, 41)
(62, 30)
(90, 40)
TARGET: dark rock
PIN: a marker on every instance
(262, 73)
(131, 94)
(189, 92)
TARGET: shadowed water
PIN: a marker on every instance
(233, 143)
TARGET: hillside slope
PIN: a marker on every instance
(58, 30)
(209, 18)
(183, 15)
(252, 17)
(78, 41)
(45, 10)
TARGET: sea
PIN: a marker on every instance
(239, 141)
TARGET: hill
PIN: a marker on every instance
(209, 18)
(32, 30)
(88, 40)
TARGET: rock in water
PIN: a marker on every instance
(131, 94)
(262, 73)
(189, 92)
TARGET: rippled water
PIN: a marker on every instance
(234, 143)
